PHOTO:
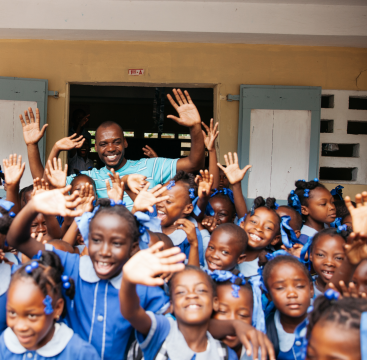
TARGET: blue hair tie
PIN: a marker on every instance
(48, 305)
(6, 205)
(225, 191)
(33, 266)
(331, 294)
(336, 223)
(289, 237)
(306, 193)
(83, 223)
(342, 228)
(253, 209)
(12, 214)
(145, 222)
(236, 289)
(171, 184)
(65, 282)
(276, 205)
(192, 193)
(316, 180)
(295, 203)
(303, 180)
(338, 191)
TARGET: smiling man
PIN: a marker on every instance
(111, 144)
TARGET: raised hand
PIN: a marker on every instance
(295, 250)
(13, 170)
(86, 196)
(147, 198)
(70, 142)
(136, 182)
(55, 175)
(233, 171)
(31, 127)
(205, 183)
(115, 193)
(39, 186)
(190, 230)
(348, 292)
(359, 214)
(210, 135)
(189, 115)
(210, 223)
(145, 265)
(57, 202)
(148, 151)
(356, 249)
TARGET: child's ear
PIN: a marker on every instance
(298, 233)
(58, 308)
(241, 259)
(304, 210)
(215, 303)
(276, 240)
(188, 209)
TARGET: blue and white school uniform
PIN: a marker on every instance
(94, 314)
(288, 343)
(63, 345)
(5, 271)
(316, 291)
(249, 268)
(164, 331)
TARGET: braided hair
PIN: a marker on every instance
(346, 312)
(188, 179)
(105, 207)
(269, 203)
(301, 186)
(47, 276)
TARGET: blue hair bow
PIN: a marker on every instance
(336, 223)
(289, 237)
(196, 210)
(146, 222)
(209, 210)
(258, 317)
(225, 191)
(7, 205)
(338, 190)
(83, 223)
(223, 275)
(171, 184)
(48, 305)
(295, 203)
(118, 202)
(342, 228)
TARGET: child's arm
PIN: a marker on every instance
(235, 176)
(209, 141)
(250, 338)
(149, 263)
(53, 202)
(13, 172)
(189, 228)
(205, 184)
(148, 198)
(32, 135)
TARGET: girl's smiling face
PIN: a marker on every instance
(327, 255)
(290, 289)
(329, 341)
(177, 206)
(109, 244)
(320, 206)
(231, 308)
(223, 209)
(192, 298)
(26, 314)
(262, 228)
(39, 225)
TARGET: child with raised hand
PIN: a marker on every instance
(337, 329)
(33, 330)
(317, 205)
(227, 247)
(111, 230)
(193, 299)
(289, 286)
(262, 226)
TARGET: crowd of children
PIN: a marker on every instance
(162, 259)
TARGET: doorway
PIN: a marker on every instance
(142, 113)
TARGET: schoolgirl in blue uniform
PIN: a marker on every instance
(33, 330)
(192, 296)
(289, 286)
(316, 205)
(94, 312)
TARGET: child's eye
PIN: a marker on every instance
(117, 244)
(225, 252)
(339, 258)
(254, 222)
(221, 311)
(244, 316)
(210, 247)
(32, 317)
(202, 290)
(12, 313)
(319, 255)
(168, 202)
(96, 241)
(300, 286)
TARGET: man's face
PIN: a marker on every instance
(110, 145)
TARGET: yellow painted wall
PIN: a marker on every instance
(227, 65)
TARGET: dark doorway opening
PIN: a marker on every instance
(142, 113)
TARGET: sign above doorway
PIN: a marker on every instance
(136, 72)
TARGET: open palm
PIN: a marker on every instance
(189, 115)
(13, 170)
(31, 127)
(70, 142)
(233, 171)
(55, 175)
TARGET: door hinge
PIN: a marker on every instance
(233, 97)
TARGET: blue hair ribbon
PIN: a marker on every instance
(242, 219)
(65, 282)
(146, 222)
(171, 184)
(7, 205)
(363, 336)
(118, 202)
(338, 191)
(336, 223)
(48, 305)
(83, 223)
(253, 209)
(196, 210)
(209, 210)
(289, 237)
(225, 191)
(271, 256)
(306, 193)
(295, 203)
(306, 250)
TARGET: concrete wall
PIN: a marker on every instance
(224, 65)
